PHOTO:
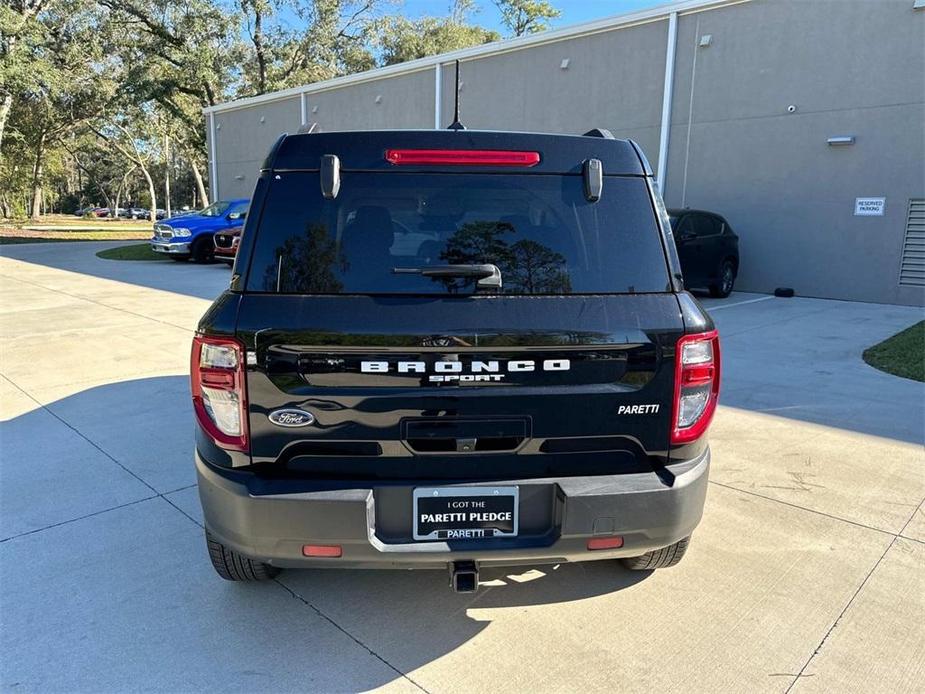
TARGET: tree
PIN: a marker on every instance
(176, 57)
(307, 264)
(536, 269)
(103, 170)
(187, 135)
(402, 39)
(187, 45)
(527, 266)
(136, 137)
(333, 38)
(67, 84)
(17, 25)
(88, 85)
(255, 12)
(526, 16)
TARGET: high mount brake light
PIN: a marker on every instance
(218, 387)
(461, 157)
(696, 386)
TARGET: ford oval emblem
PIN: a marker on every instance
(292, 418)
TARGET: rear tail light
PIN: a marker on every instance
(462, 157)
(696, 387)
(218, 385)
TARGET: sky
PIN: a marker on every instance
(573, 11)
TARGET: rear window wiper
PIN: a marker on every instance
(489, 276)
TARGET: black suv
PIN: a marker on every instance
(708, 249)
(447, 349)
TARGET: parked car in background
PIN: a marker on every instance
(101, 211)
(84, 211)
(160, 214)
(708, 249)
(191, 235)
(226, 244)
(133, 212)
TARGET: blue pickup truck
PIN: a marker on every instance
(191, 235)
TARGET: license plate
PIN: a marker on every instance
(464, 513)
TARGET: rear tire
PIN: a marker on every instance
(202, 251)
(658, 558)
(726, 281)
(236, 567)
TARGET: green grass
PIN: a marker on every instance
(66, 222)
(80, 227)
(12, 234)
(901, 355)
(13, 240)
(136, 251)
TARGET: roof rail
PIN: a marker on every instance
(600, 132)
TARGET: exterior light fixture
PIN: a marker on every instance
(840, 140)
(564, 64)
(706, 40)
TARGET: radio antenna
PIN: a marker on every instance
(456, 125)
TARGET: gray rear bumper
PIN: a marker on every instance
(649, 511)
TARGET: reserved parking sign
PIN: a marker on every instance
(869, 207)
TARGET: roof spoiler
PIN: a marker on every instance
(606, 134)
(642, 158)
(271, 155)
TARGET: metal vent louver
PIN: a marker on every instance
(912, 268)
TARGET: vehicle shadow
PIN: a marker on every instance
(101, 446)
(411, 618)
(801, 359)
(205, 281)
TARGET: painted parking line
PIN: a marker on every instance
(739, 303)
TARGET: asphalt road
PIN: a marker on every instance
(806, 573)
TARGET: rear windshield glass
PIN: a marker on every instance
(383, 230)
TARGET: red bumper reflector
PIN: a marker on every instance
(605, 543)
(322, 550)
(462, 157)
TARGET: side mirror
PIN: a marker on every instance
(236, 215)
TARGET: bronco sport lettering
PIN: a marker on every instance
(448, 371)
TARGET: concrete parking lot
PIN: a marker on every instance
(806, 573)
